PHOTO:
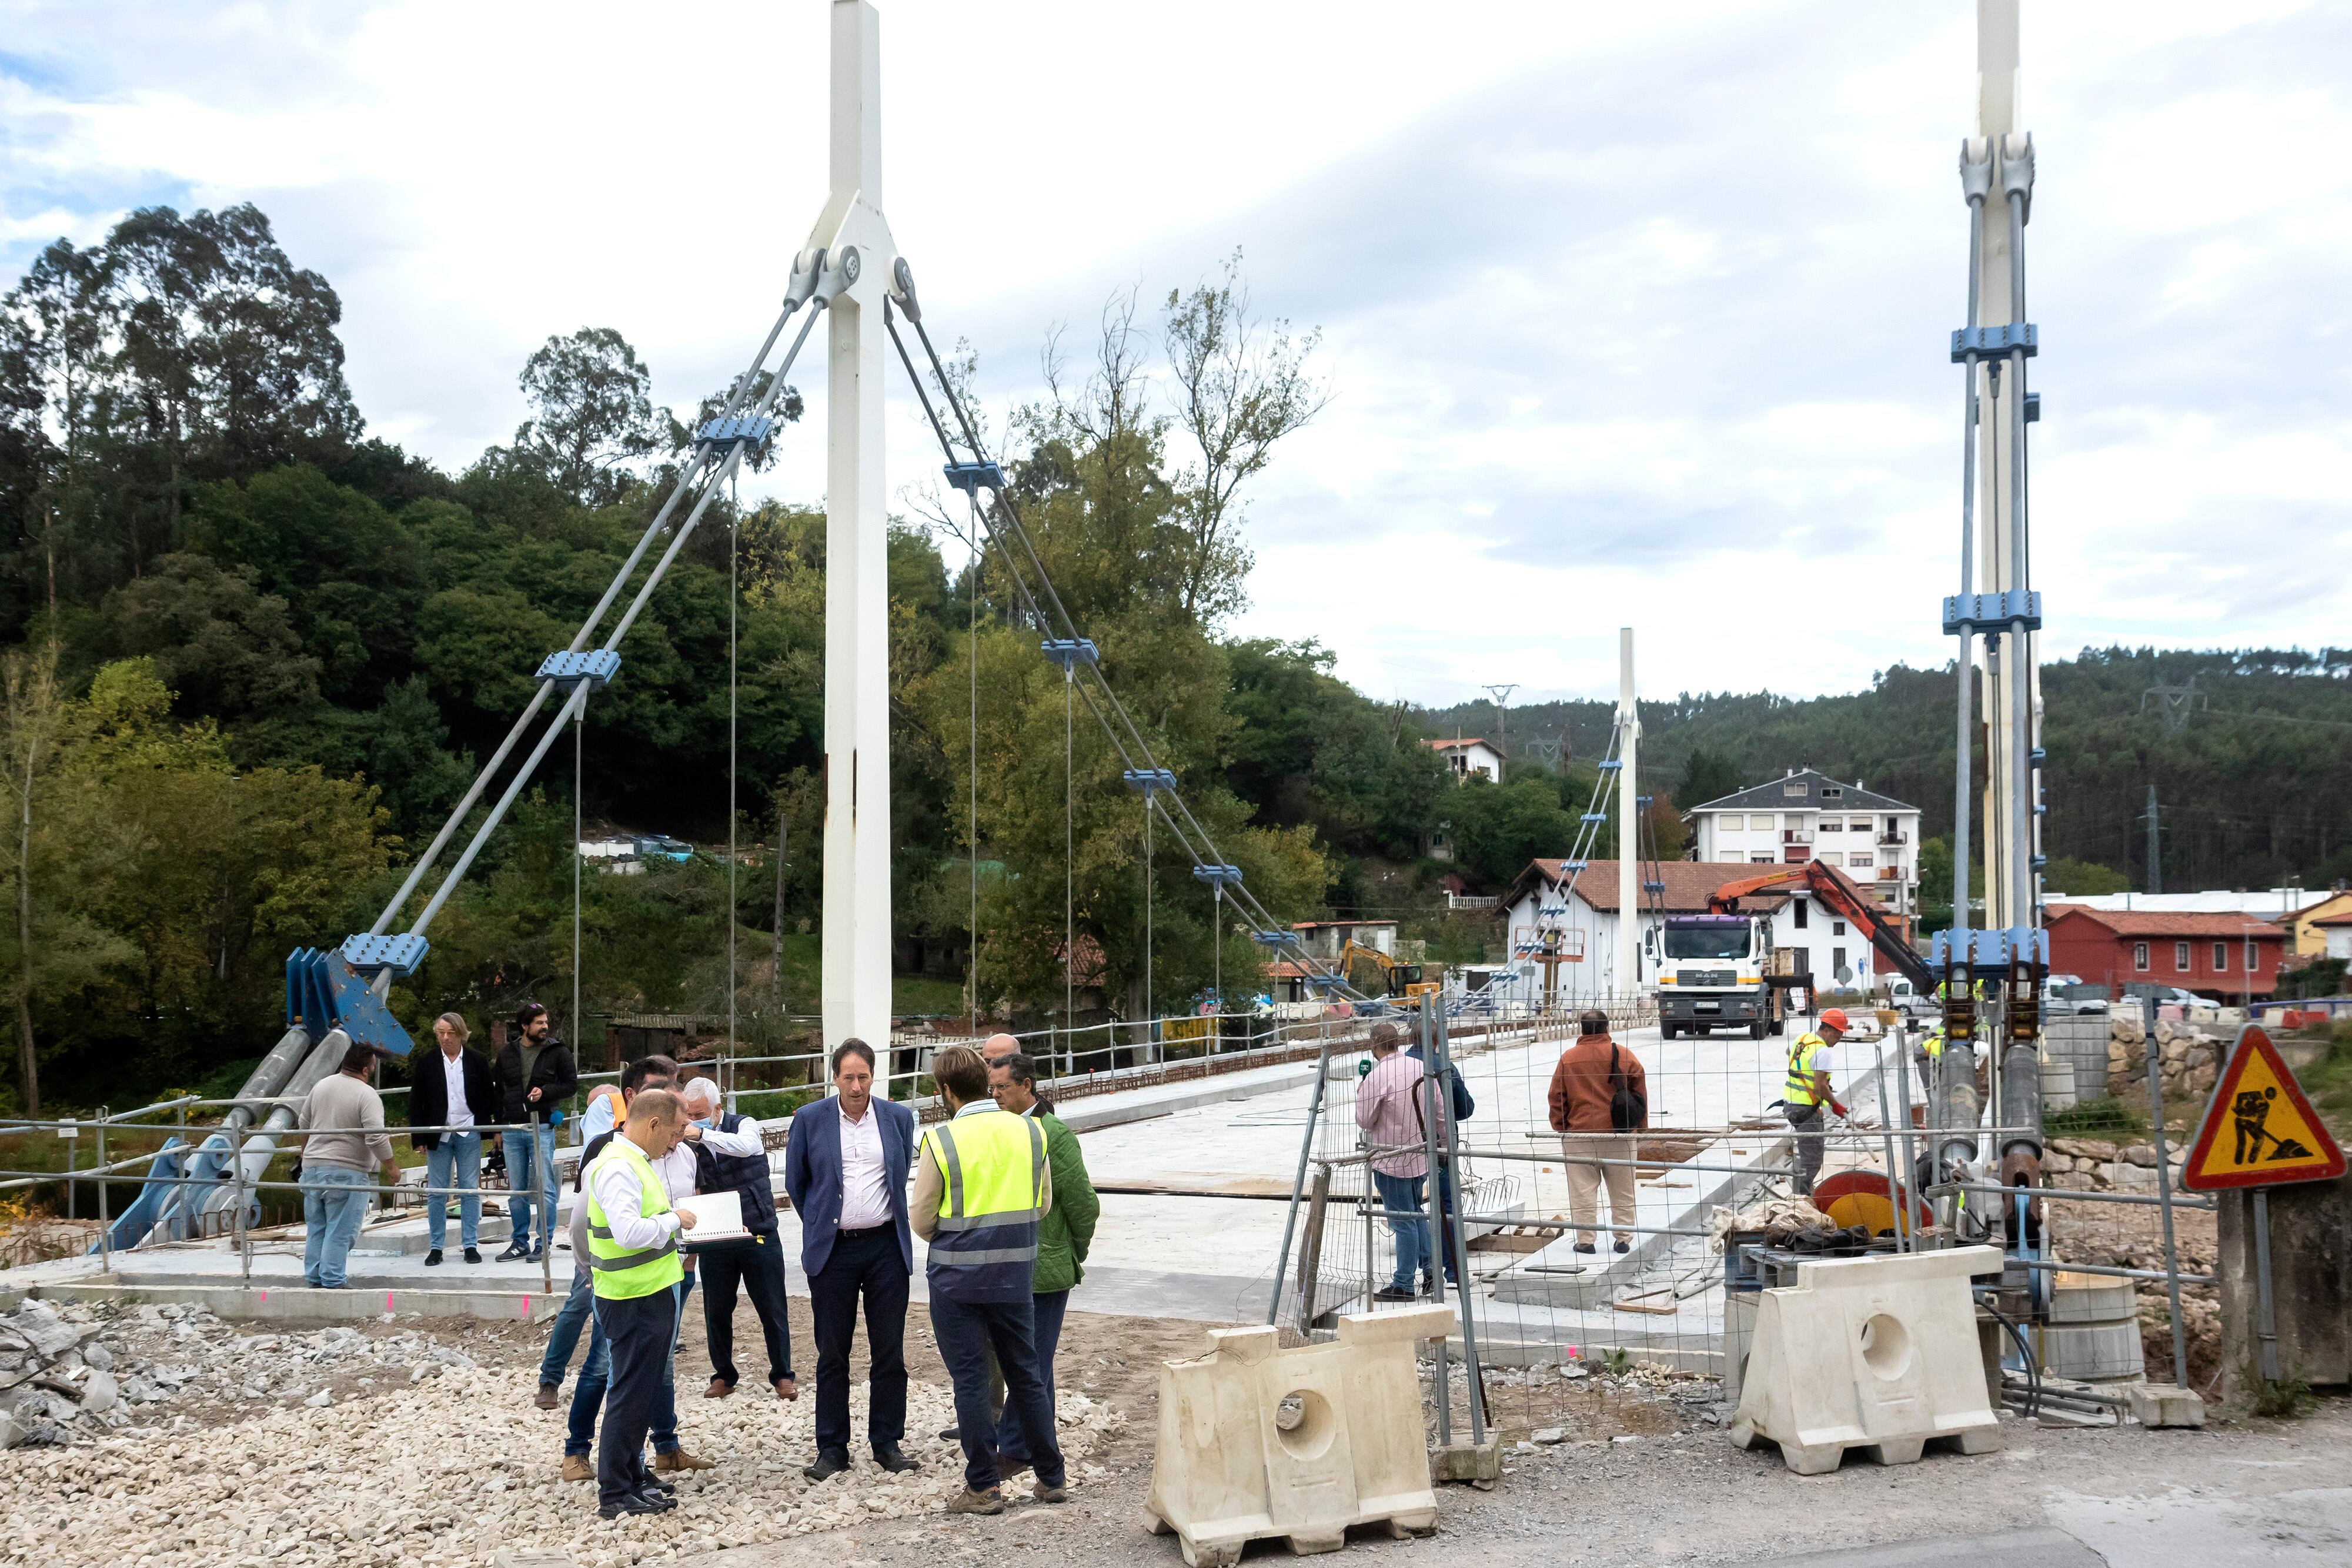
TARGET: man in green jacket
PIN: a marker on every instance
(1063, 1236)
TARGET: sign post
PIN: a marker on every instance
(2273, 1137)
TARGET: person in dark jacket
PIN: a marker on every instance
(450, 1088)
(534, 1076)
(731, 1155)
(1462, 1107)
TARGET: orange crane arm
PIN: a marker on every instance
(1844, 897)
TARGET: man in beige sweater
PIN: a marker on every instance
(344, 1141)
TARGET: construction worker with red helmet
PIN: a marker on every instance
(1807, 1092)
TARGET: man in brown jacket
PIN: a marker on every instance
(1590, 1074)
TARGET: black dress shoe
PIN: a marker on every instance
(633, 1503)
(830, 1462)
(433, 1259)
(661, 1500)
(647, 1481)
(892, 1457)
(473, 1254)
(953, 1435)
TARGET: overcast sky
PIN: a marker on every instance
(1628, 319)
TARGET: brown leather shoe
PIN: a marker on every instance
(579, 1467)
(787, 1389)
(680, 1459)
(719, 1389)
(546, 1399)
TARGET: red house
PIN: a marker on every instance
(2223, 956)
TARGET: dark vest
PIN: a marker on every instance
(745, 1174)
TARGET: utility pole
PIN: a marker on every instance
(1502, 696)
(1626, 981)
(860, 264)
(2155, 846)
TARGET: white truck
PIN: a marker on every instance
(1714, 971)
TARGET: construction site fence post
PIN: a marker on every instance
(1297, 1188)
(105, 1242)
(1435, 1182)
(1455, 1240)
(2164, 1196)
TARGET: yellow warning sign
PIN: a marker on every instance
(2259, 1131)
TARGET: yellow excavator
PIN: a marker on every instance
(1402, 982)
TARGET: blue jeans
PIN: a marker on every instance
(588, 1393)
(966, 1332)
(334, 1201)
(1405, 1195)
(1046, 1315)
(457, 1156)
(531, 1168)
(579, 1313)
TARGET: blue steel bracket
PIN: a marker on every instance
(967, 477)
(1653, 887)
(1276, 939)
(1149, 778)
(1065, 653)
(1644, 799)
(1987, 342)
(2033, 408)
(1595, 817)
(1610, 765)
(367, 954)
(1575, 866)
(323, 993)
(743, 429)
(1981, 950)
(1968, 613)
(597, 666)
(1223, 875)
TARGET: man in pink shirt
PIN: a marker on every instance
(1385, 1111)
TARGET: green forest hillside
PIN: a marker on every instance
(2252, 772)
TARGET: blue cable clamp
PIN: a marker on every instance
(751, 428)
(1968, 613)
(1066, 652)
(324, 993)
(368, 954)
(1149, 778)
(1990, 341)
(1593, 817)
(1610, 765)
(1223, 875)
(1575, 866)
(1653, 887)
(967, 477)
(597, 666)
(1276, 939)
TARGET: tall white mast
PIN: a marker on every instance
(1626, 981)
(860, 261)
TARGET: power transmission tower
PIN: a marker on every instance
(2155, 849)
(2178, 701)
(1502, 696)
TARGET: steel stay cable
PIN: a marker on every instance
(694, 467)
(1002, 512)
(711, 487)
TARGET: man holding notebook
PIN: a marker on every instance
(731, 1155)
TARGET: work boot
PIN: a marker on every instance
(546, 1400)
(1052, 1494)
(433, 1259)
(679, 1459)
(579, 1467)
(969, 1501)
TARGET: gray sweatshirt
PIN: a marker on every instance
(340, 1100)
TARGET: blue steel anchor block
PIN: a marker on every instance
(1149, 778)
(1067, 652)
(597, 666)
(1967, 614)
(967, 477)
(324, 993)
(368, 954)
(743, 429)
(1987, 342)
(1982, 950)
(1222, 875)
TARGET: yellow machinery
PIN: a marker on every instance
(1401, 981)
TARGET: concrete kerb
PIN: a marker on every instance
(304, 1305)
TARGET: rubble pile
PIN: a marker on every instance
(2189, 1054)
(396, 1449)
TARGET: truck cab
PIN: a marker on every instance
(1712, 972)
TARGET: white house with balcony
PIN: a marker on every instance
(1804, 815)
(1464, 756)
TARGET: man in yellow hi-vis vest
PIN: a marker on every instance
(981, 1184)
(1807, 1092)
(632, 1263)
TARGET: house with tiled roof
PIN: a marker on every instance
(2218, 954)
(1806, 815)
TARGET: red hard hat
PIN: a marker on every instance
(1834, 1017)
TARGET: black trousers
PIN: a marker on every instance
(865, 1265)
(637, 1330)
(759, 1264)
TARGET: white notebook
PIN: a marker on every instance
(717, 1217)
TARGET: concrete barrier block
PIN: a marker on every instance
(1875, 1353)
(2163, 1404)
(1257, 1441)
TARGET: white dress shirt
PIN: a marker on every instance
(865, 1174)
(620, 1194)
(459, 1115)
(742, 1144)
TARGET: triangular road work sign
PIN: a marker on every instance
(2259, 1130)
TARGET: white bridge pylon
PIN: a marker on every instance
(861, 268)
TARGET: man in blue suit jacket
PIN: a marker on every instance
(846, 1166)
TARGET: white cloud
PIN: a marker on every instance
(1632, 314)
